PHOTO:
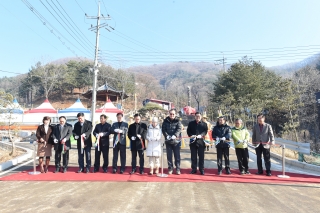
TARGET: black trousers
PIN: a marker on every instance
(105, 154)
(175, 149)
(195, 152)
(65, 158)
(243, 159)
(225, 153)
(122, 149)
(87, 153)
(266, 155)
(134, 154)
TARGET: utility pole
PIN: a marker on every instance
(222, 61)
(95, 70)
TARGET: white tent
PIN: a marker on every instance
(109, 110)
(74, 109)
(12, 112)
(36, 115)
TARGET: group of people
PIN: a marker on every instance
(138, 133)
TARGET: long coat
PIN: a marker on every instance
(134, 130)
(265, 136)
(78, 130)
(123, 135)
(60, 135)
(46, 136)
(154, 143)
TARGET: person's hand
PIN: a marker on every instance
(35, 143)
(139, 136)
(41, 140)
(83, 135)
(55, 140)
(101, 134)
(116, 130)
(223, 138)
(120, 131)
(133, 138)
(64, 140)
(168, 137)
(217, 138)
(97, 135)
(173, 137)
(76, 137)
(199, 136)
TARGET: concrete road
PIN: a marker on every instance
(157, 197)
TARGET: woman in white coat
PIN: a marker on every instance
(154, 145)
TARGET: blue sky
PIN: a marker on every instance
(160, 31)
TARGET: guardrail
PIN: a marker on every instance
(303, 148)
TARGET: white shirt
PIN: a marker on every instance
(46, 128)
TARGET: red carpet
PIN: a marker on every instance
(210, 176)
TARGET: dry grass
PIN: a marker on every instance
(4, 155)
(287, 152)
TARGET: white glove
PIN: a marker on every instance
(120, 131)
(217, 138)
(35, 143)
(139, 136)
(64, 140)
(101, 134)
(168, 137)
(116, 130)
(83, 135)
(199, 136)
(55, 140)
(76, 137)
(244, 141)
(133, 138)
(97, 135)
(173, 137)
(193, 136)
(223, 139)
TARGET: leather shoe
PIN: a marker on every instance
(248, 173)
(268, 173)
(57, 170)
(202, 172)
(141, 172)
(242, 173)
(80, 170)
(133, 171)
(228, 172)
(219, 172)
(193, 172)
(64, 170)
(114, 171)
(105, 171)
(95, 171)
(87, 170)
(121, 172)
(259, 173)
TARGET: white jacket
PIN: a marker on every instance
(154, 143)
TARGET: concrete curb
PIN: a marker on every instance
(17, 160)
(295, 163)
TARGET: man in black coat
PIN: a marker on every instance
(119, 129)
(82, 133)
(61, 138)
(137, 134)
(197, 130)
(221, 133)
(171, 129)
(102, 131)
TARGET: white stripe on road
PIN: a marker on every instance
(16, 167)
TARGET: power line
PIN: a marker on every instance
(53, 29)
(79, 6)
(12, 72)
(64, 27)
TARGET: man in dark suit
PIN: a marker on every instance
(197, 130)
(137, 134)
(262, 139)
(61, 137)
(82, 133)
(102, 131)
(119, 129)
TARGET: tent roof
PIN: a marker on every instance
(45, 107)
(108, 107)
(76, 107)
